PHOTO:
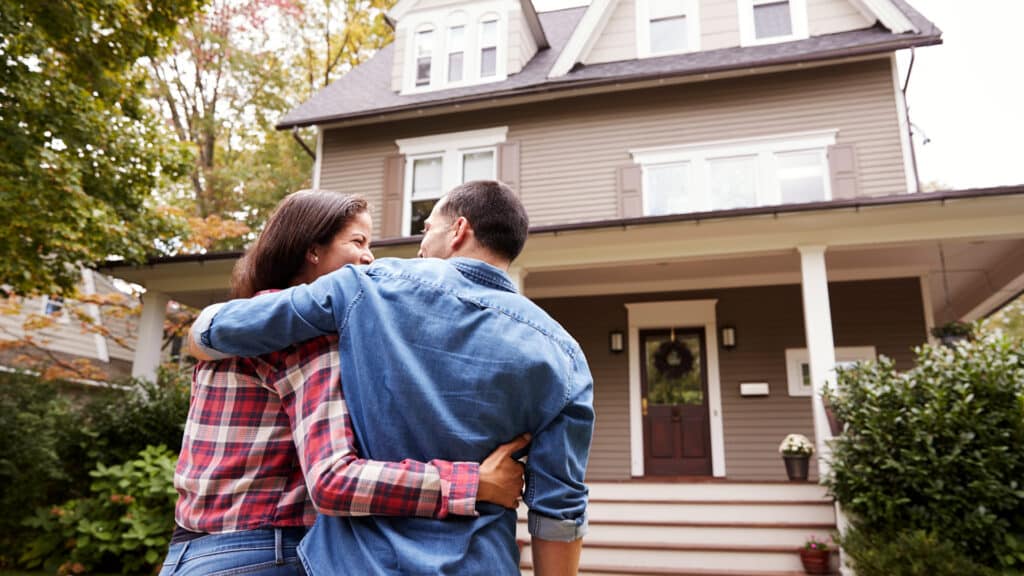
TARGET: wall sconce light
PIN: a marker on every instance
(728, 337)
(615, 341)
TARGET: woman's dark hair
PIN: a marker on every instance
(302, 220)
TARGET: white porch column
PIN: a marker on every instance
(151, 335)
(821, 348)
(518, 276)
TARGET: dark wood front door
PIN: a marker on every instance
(674, 400)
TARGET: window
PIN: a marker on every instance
(448, 48)
(436, 164)
(736, 174)
(456, 52)
(798, 367)
(667, 26)
(766, 21)
(488, 48)
(424, 50)
(54, 306)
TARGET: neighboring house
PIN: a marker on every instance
(70, 342)
(735, 176)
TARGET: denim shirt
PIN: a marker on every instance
(439, 359)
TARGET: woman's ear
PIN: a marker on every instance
(312, 255)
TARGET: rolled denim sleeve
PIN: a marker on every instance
(555, 491)
(269, 322)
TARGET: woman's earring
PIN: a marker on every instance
(316, 259)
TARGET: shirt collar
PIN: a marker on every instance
(483, 273)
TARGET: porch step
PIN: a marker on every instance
(715, 528)
(683, 559)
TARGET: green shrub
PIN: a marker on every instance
(51, 444)
(937, 450)
(910, 553)
(125, 523)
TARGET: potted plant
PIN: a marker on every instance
(816, 556)
(952, 332)
(796, 452)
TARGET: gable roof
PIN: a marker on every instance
(403, 7)
(365, 92)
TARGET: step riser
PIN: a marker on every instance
(698, 535)
(713, 514)
(709, 491)
(687, 560)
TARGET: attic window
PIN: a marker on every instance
(456, 52)
(424, 50)
(488, 48)
(768, 21)
(772, 19)
(668, 26)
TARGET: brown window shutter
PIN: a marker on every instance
(631, 203)
(842, 165)
(394, 195)
(508, 165)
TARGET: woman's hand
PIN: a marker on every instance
(501, 477)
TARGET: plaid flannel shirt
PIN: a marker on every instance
(269, 442)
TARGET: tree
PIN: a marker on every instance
(235, 69)
(80, 153)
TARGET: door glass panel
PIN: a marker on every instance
(674, 369)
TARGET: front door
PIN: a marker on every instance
(674, 401)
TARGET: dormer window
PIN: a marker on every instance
(768, 21)
(489, 47)
(667, 27)
(424, 51)
(456, 52)
(469, 44)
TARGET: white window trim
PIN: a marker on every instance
(643, 29)
(797, 357)
(62, 317)
(471, 16)
(451, 148)
(797, 14)
(414, 56)
(455, 20)
(679, 313)
(765, 148)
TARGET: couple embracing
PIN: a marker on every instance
(392, 397)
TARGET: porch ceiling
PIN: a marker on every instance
(978, 275)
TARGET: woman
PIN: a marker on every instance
(268, 441)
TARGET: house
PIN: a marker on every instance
(724, 207)
(81, 339)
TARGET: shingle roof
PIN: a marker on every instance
(366, 90)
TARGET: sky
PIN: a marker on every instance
(966, 95)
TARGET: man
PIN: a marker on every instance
(441, 359)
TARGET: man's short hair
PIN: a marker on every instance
(498, 218)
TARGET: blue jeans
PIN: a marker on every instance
(264, 552)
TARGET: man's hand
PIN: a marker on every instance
(501, 477)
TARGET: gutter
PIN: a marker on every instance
(565, 87)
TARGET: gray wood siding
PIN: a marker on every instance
(617, 41)
(521, 44)
(719, 26)
(398, 63)
(572, 149)
(831, 16)
(886, 314)
(124, 327)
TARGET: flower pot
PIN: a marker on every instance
(816, 561)
(796, 467)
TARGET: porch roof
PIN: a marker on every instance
(905, 234)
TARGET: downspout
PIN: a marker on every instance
(910, 129)
(295, 135)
